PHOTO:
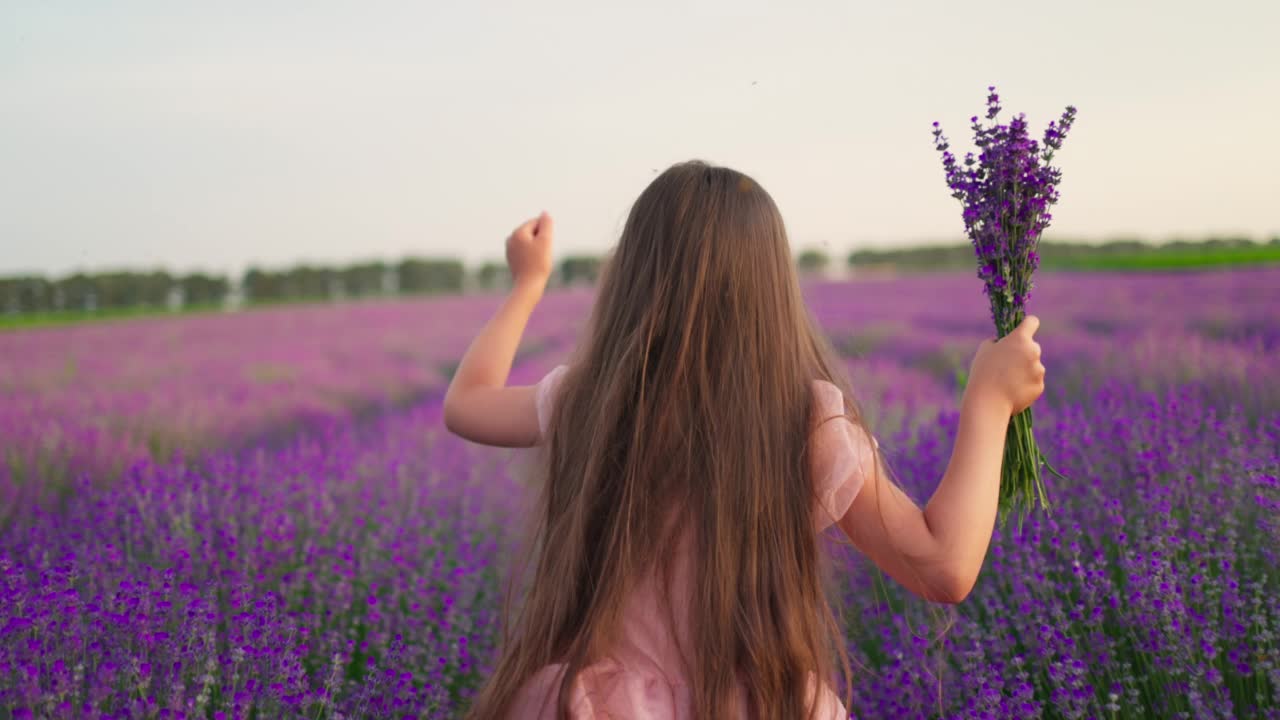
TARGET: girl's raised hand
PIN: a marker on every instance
(529, 251)
(480, 406)
(1009, 370)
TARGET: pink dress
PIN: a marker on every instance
(643, 677)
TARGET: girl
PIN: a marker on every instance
(695, 446)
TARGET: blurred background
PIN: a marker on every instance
(187, 156)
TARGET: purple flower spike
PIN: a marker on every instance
(1005, 194)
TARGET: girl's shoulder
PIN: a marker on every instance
(544, 395)
(841, 455)
(828, 399)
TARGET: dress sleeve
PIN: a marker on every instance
(841, 456)
(545, 393)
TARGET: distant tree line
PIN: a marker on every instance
(110, 290)
(1053, 254)
(812, 261)
(90, 292)
(421, 276)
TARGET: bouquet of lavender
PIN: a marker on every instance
(1006, 192)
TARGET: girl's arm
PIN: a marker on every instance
(478, 405)
(937, 552)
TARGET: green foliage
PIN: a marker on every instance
(264, 286)
(103, 291)
(579, 269)
(31, 300)
(812, 261)
(199, 289)
(306, 283)
(25, 294)
(309, 283)
(430, 276)
(367, 279)
(1118, 254)
(493, 276)
(54, 318)
(1181, 258)
(127, 289)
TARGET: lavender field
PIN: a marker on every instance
(260, 516)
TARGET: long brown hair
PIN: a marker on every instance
(692, 394)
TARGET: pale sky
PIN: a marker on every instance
(211, 135)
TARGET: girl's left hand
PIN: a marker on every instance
(529, 251)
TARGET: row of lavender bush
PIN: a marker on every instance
(101, 396)
(356, 570)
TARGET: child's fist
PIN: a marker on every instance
(529, 250)
(1009, 370)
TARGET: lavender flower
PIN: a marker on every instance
(1006, 193)
(238, 582)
